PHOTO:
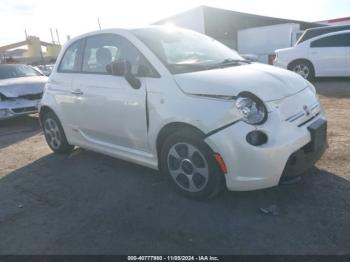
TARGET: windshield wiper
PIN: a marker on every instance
(230, 62)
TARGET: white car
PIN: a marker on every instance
(326, 55)
(179, 101)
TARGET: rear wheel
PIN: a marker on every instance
(303, 68)
(188, 162)
(54, 134)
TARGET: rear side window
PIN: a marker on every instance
(311, 33)
(70, 60)
(340, 40)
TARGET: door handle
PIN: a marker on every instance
(77, 92)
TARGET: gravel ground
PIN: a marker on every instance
(88, 203)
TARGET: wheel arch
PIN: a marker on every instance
(170, 128)
(44, 110)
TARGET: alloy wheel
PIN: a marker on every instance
(188, 167)
(302, 70)
(52, 133)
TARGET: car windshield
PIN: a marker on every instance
(14, 71)
(184, 51)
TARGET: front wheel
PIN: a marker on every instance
(303, 68)
(188, 162)
(54, 134)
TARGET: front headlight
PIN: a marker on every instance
(252, 109)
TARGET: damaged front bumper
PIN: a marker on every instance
(256, 167)
(304, 158)
(11, 108)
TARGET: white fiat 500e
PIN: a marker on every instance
(181, 102)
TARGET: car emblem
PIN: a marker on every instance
(306, 109)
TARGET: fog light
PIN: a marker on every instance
(256, 138)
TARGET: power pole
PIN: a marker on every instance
(53, 40)
(58, 37)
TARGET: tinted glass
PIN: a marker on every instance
(310, 33)
(70, 60)
(14, 71)
(340, 40)
(102, 50)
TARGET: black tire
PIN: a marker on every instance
(215, 180)
(300, 66)
(55, 138)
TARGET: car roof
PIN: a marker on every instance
(325, 35)
(322, 28)
(122, 31)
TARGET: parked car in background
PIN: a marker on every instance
(321, 56)
(179, 101)
(21, 88)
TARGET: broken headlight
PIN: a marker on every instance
(252, 109)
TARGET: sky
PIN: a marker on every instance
(72, 17)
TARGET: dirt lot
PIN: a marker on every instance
(87, 203)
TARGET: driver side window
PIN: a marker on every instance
(100, 51)
(103, 50)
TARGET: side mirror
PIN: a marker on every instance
(117, 68)
(124, 69)
(133, 81)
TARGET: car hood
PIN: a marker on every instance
(15, 87)
(267, 82)
(284, 49)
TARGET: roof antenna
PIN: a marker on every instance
(98, 21)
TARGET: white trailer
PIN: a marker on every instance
(263, 41)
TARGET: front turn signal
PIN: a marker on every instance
(220, 162)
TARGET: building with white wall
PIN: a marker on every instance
(223, 25)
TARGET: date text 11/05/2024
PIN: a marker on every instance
(173, 258)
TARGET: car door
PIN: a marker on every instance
(60, 84)
(111, 113)
(328, 55)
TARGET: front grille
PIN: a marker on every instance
(302, 160)
(25, 109)
(309, 120)
(314, 109)
(32, 96)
